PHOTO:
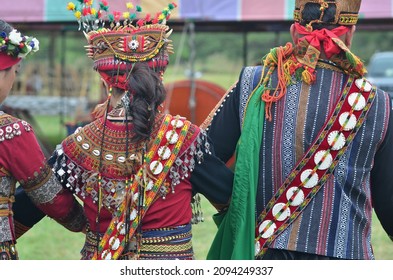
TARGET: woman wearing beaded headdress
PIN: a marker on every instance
(137, 170)
(22, 160)
(313, 140)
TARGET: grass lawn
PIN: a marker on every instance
(49, 241)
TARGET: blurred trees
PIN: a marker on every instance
(63, 52)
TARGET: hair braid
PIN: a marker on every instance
(148, 93)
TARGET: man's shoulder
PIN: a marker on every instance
(251, 75)
(380, 91)
(252, 69)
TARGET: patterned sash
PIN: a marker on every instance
(319, 162)
(7, 211)
(158, 162)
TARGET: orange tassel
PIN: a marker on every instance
(283, 80)
(268, 104)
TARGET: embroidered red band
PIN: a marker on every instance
(310, 174)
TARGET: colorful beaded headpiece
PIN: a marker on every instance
(347, 11)
(127, 39)
(14, 46)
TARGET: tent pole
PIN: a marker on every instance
(192, 99)
(245, 48)
(63, 77)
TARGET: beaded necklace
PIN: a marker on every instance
(99, 205)
(128, 180)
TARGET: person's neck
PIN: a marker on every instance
(116, 98)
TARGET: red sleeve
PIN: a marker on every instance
(23, 159)
(21, 155)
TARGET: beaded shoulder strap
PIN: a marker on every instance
(158, 162)
(318, 163)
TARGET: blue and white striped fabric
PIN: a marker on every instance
(337, 222)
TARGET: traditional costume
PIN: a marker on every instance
(23, 163)
(138, 196)
(323, 133)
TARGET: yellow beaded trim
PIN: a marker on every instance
(348, 19)
(296, 15)
(6, 212)
(152, 240)
(344, 19)
(5, 200)
(166, 248)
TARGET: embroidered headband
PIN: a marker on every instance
(127, 39)
(347, 11)
(14, 46)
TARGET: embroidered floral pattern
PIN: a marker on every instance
(11, 127)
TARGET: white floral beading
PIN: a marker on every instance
(15, 44)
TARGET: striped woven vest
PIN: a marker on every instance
(337, 222)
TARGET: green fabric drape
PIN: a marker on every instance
(236, 228)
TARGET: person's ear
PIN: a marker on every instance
(105, 84)
(294, 34)
(349, 36)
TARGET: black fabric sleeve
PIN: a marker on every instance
(214, 180)
(224, 130)
(382, 181)
(26, 214)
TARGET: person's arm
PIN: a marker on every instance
(39, 182)
(26, 214)
(382, 181)
(214, 180)
(224, 126)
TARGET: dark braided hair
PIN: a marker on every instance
(312, 12)
(148, 93)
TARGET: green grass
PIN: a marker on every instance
(47, 240)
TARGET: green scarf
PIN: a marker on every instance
(235, 237)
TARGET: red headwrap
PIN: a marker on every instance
(118, 81)
(121, 80)
(324, 36)
(6, 61)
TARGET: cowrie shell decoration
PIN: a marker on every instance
(347, 121)
(285, 213)
(361, 101)
(269, 232)
(336, 140)
(367, 86)
(312, 181)
(298, 199)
